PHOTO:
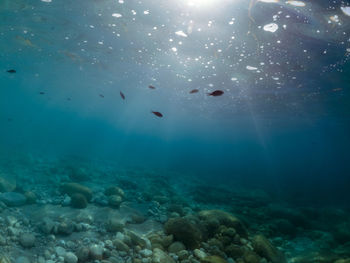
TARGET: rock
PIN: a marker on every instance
(213, 259)
(78, 201)
(60, 251)
(251, 257)
(70, 257)
(46, 225)
(199, 254)
(137, 240)
(31, 197)
(216, 218)
(13, 199)
(234, 251)
(185, 231)
(114, 190)
(83, 254)
(115, 200)
(96, 252)
(4, 259)
(160, 256)
(265, 249)
(75, 188)
(114, 225)
(22, 259)
(65, 228)
(146, 252)
(183, 254)
(120, 245)
(7, 185)
(176, 247)
(27, 240)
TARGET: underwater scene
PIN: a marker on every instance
(174, 131)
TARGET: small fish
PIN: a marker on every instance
(69, 99)
(122, 95)
(157, 113)
(11, 71)
(41, 93)
(194, 91)
(151, 87)
(101, 95)
(216, 93)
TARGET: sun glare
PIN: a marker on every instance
(201, 3)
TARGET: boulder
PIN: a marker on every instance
(27, 240)
(215, 218)
(13, 199)
(184, 231)
(78, 201)
(176, 247)
(263, 247)
(75, 188)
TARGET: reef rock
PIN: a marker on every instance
(13, 199)
(215, 218)
(264, 248)
(185, 231)
(75, 188)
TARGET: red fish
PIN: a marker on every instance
(194, 91)
(151, 87)
(122, 95)
(157, 113)
(102, 96)
(216, 93)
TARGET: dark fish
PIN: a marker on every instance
(102, 96)
(41, 93)
(11, 71)
(216, 93)
(122, 95)
(157, 113)
(69, 99)
(151, 87)
(194, 91)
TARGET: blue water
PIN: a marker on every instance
(283, 127)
